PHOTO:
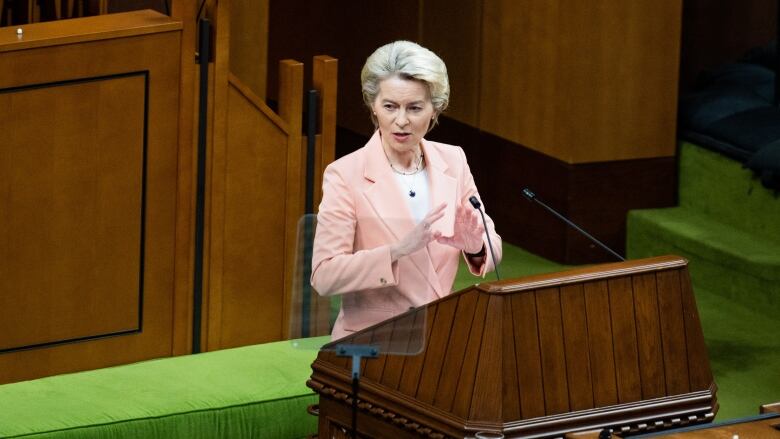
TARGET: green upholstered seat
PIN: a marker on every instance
(249, 392)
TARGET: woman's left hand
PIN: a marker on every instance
(468, 231)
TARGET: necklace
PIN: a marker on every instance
(412, 174)
(417, 167)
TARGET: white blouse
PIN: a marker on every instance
(416, 184)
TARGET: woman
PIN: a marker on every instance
(395, 217)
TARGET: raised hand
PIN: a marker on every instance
(420, 236)
(468, 231)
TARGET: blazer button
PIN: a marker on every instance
(382, 281)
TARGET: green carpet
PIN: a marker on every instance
(744, 354)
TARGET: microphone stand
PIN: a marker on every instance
(477, 205)
(532, 197)
(357, 352)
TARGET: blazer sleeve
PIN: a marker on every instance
(469, 188)
(336, 267)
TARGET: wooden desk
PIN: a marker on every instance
(759, 427)
(765, 426)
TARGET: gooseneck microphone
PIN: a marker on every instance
(532, 197)
(477, 205)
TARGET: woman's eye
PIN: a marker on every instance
(388, 107)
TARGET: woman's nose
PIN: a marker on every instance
(402, 120)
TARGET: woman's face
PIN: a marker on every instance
(404, 111)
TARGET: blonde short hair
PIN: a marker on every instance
(406, 60)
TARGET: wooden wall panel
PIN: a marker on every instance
(251, 280)
(185, 11)
(349, 32)
(86, 144)
(249, 43)
(453, 30)
(70, 246)
(582, 81)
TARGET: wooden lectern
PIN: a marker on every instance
(614, 345)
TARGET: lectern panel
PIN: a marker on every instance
(511, 394)
(462, 403)
(375, 367)
(575, 336)
(648, 336)
(543, 356)
(434, 355)
(486, 405)
(456, 351)
(621, 301)
(526, 336)
(394, 365)
(556, 386)
(672, 322)
(413, 364)
(600, 343)
(699, 373)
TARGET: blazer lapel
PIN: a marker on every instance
(383, 195)
(443, 189)
(392, 209)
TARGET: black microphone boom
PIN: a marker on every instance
(532, 197)
(475, 202)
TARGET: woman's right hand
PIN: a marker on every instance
(420, 236)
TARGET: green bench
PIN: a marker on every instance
(249, 392)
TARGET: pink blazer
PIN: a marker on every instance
(363, 211)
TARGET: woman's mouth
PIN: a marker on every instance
(401, 136)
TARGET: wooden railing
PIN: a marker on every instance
(255, 194)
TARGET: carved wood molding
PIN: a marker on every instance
(377, 411)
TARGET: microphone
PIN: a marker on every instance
(532, 197)
(475, 202)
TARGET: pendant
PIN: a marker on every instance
(412, 193)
